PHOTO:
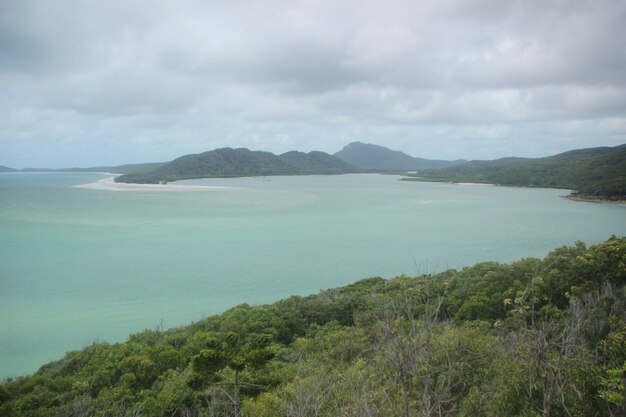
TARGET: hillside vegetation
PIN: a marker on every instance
(371, 157)
(531, 338)
(228, 162)
(594, 172)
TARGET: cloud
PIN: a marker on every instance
(161, 78)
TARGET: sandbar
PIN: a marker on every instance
(109, 184)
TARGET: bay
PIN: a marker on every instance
(82, 265)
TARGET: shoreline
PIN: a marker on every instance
(571, 197)
(109, 184)
(597, 200)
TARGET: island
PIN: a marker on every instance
(241, 162)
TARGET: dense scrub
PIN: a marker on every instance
(532, 338)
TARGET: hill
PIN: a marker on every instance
(531, 338)
(592, 173)
(379, 158)
(229, 162)
(118, 169)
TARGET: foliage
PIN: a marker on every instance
(534, 337)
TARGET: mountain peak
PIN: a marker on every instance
(369, 156)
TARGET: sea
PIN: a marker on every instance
(79, 266)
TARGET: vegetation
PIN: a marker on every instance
(378, 158)
(228, 162)
(532, 338)
(594, 173)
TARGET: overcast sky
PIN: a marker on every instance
(86, 83)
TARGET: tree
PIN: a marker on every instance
(229, 362)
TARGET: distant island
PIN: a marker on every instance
(596, 174)
(7, 169)
(117, 169)
(229, 162)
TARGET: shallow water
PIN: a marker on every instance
(79, 265)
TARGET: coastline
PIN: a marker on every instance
(587, 199)
(109, 184)
(572, 197)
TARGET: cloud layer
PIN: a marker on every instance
(90, 83)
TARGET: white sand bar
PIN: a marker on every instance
(109, 184)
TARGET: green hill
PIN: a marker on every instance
(228, 162)
(593, 172)
(379, 158)
(531, 338)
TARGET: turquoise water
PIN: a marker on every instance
(81, 265)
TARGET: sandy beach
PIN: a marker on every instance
(109, 184)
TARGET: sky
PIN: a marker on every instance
(91, 83)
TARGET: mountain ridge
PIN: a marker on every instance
(369, 156)
(241, 162)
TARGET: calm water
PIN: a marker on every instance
(79, 265)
